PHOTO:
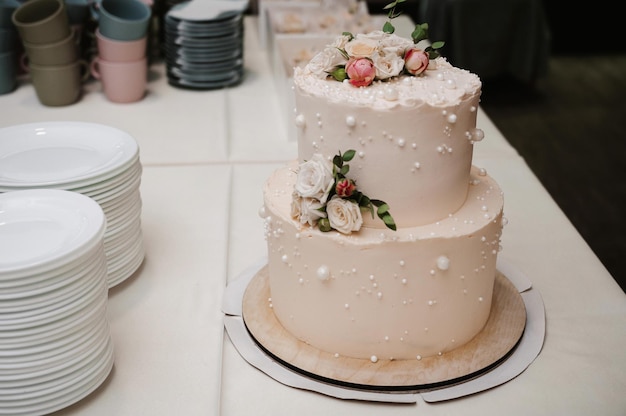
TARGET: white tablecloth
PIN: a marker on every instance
(205, 156)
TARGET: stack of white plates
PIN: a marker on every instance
(99, 161)
(204, 43)
(56, 345)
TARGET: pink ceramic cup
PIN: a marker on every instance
(114, 50)
(122, 82)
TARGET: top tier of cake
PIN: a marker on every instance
(413, 135)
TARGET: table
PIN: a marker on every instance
(205, 156)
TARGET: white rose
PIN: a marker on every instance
(296, 205)
(315, 178)
(326, 61)
(307, 210)
(374, 35)
(388, 66)
(395, 42)
(344, 215)
(339, 42)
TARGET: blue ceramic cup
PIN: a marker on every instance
(8, 72)
(123, 19)
(7, 7)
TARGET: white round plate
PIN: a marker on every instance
(37, 336)
(47, 278)
(63, 152)
(68, 291)
(41, 228)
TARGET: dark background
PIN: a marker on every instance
(570, 124)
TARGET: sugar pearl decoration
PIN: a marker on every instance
(477, 135)
(443, 263)
(391, 94)
(323, 273)
(300, 122)
(350, 121)
(451, 118)
(374, 359)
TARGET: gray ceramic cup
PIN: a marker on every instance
(59, 85)
(8, 72)
(42, 21)
(123, 19)
(62, 52)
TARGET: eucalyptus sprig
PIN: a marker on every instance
(374, 206)
(391, 14)
(419, 33)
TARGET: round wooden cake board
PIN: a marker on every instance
(492, 345)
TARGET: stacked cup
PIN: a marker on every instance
(51, 51)
(9, 47)
(121, 64)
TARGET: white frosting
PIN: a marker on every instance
(375, 293)
(409, 149)
(414, 292)
(442, 85)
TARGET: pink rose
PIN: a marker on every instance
(345, 188)
(415, 61)
(361, 71)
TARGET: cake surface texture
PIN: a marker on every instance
(383, 237)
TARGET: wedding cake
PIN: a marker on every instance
(383, 236)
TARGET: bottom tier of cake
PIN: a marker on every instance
(381, 294)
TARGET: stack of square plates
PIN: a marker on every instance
(203, 45)
(95, 160)
(56, 342)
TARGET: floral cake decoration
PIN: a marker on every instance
(325, 197)
(378, 55)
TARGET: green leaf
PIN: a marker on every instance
(348, 34)
(438, 45)
(349, 155)
(324, 225)
(419, 33)
(388, 28)
(337, 161)
(389, 222)
(383, 209)
(345, 169)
